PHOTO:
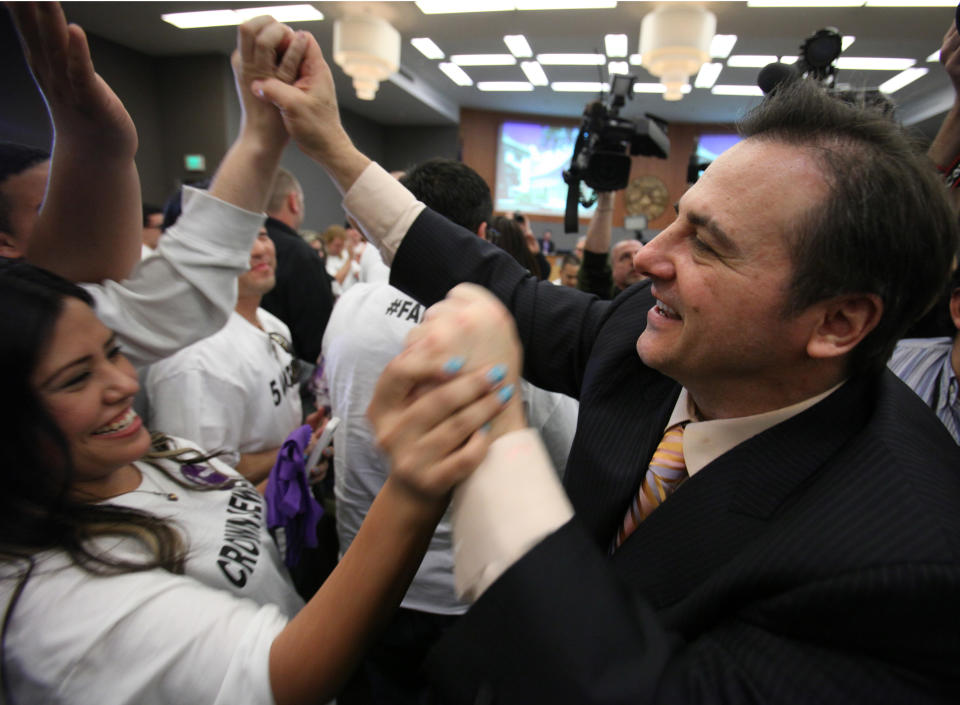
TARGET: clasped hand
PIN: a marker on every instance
(451, 392)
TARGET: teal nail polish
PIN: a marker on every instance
(496, 374)
(453, 365)
(505, 394)
(486, 428)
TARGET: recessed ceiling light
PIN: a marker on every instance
(443, 7)
(534, 73)
(864, 63)
(427, 47)
(618, 67)
(566, 4)
(902, 79)
(736, 90)
(935, 56)
(804, 3)
(721, 45)
(708, 75)
(580, 86)
(456, 74)
(915, 3)
(518, 45)
(572, 59)
(504, 86)
(224, 18)
(757, 61)
(483, 59)
(615, 44)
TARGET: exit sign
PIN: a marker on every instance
(194, 162)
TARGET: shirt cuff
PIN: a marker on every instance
(222, 227)
(507, 506)
(383, 209)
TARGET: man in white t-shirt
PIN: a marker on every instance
(236, 390)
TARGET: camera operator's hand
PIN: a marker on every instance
(945, 148)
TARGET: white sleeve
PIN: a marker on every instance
(190, 402)
(554, 415)
(186, 291)
(150, 638)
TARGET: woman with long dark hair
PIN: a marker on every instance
(139, 571)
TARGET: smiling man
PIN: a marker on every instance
(236, 390)
(809, 550)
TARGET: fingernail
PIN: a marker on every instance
(496, 374)
(505, 394)
(486, 427)
(453, 365)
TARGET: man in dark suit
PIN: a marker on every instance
(810, 551)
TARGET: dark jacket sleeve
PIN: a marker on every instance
(557, 325)
(595, 276)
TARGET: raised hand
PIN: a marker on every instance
(310, 115)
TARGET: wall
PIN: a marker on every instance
(478, 136)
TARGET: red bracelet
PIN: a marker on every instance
(951, 174)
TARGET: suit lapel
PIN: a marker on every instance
(716, 514)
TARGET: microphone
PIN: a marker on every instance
(773, 75)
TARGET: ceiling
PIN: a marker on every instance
(420, 94)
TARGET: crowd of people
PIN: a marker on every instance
(503, 443)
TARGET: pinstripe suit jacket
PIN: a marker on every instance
(818, 562)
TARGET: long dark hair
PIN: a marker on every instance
(37, 512)
(507, 234)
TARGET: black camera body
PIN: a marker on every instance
(601, 154)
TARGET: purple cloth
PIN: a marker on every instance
(292, 511)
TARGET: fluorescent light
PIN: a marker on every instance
(456, 74)
(789, 59)
(427, 47)
(572, 59)
(283, 13)
(444, 7)
(804, 3)
(757, 61)
(534, 73)
(902, 79)
(846, 41)
(483, 59)
(518, 45)
(736, 90)
(504, 86)
(721, 45)
(580, 86)
(708, 75)
(618, 67)
(615, 44)
(224, 18)
(914, 3)
(566, 4)
(636, 59)
(863, 63)
(935, 56)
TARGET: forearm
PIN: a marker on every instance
(89, 227)
(944, 151)
(257, 466)
(601, 225)
(311, 658)
(343, 271)
(246, 174)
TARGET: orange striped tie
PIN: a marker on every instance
(667, 470)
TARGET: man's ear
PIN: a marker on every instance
(955, 307)
(293, 202)
(482, 230)
(10, 246)
(842, 323)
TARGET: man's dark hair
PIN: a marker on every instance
(885, 227)
(453, 190)
(15, 159)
